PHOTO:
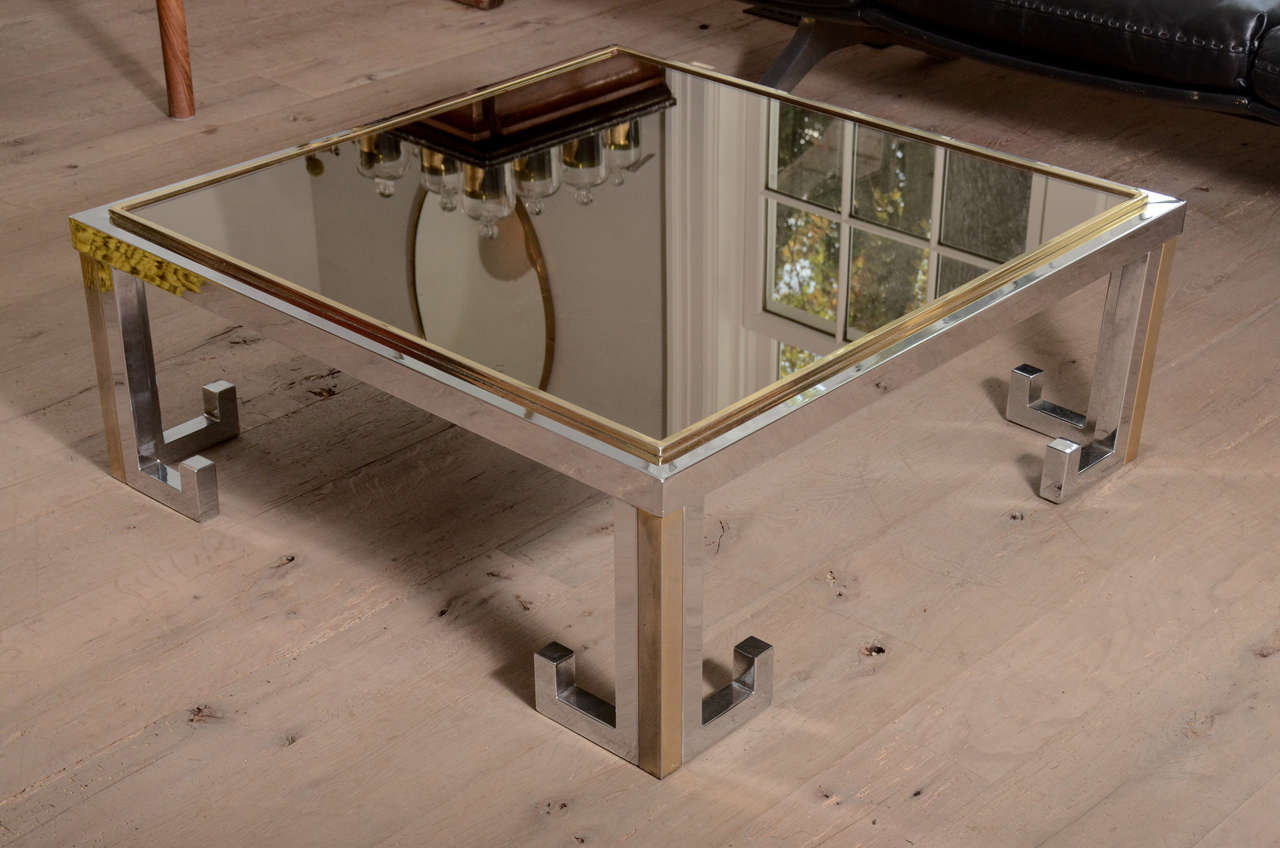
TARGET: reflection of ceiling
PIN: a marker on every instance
(550, 112)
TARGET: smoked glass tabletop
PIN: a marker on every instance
(644, 245)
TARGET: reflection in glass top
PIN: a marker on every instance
(647, 244)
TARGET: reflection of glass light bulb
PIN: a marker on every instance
(441, 174)
(487, 195)
(382, 160)
(583, 166)
(621, 148)
(537, 177)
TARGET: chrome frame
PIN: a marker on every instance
(658, 719)
(1089, 446)
(164, 464)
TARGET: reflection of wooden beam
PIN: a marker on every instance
(177, 59)
(542, 102)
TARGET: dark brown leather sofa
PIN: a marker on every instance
(1220, 54)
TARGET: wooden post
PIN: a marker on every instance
(177, 59)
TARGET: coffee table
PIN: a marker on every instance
(647, 276)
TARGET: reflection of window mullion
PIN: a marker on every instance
(891, 234)
(935, 220)
(771, 251)
(771, 176)
(966, 257)
(808, 319)
(1036, 210)
(846, 204)
(802, 205)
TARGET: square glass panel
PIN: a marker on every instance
(808, 159)
(985, 207)
(791, 359)
(887, 279)
(952, 274)
(597, 245)
(893, 181)
(806, 259)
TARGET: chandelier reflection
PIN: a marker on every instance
(487, 193)
(441, 175)
(584, 165)
(383, 160)
(622, 150)
(538, 176)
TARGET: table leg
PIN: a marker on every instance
(1088, 446)
(813, 40)
(177, 58)
(658, 719)
(163, 464)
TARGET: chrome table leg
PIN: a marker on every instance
(1090, 446)
(658, 719)
(163, 464)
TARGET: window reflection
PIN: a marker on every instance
(806, 255)
(807, 165)
(985, 207)
(887, 279)
(893, 181)
(916, 221)
(791, 359)
(952, 274)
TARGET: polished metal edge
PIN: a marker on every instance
(659, 488)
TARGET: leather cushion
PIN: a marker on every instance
(1266, 67)
(1201, 43)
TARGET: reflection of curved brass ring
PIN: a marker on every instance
(415, 217)
(532, 249)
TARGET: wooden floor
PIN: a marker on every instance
(343, 657)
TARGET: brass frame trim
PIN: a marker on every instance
(97, 277)
(1149, 349)
(660, 545)
(175, 279)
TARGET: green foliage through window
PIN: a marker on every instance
(887, 279)
(807, 252)
(893, 181)
(792, 359)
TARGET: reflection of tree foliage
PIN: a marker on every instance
(809, 156)
(805, 273)
(887, 279)
(894, 185)
(792, 359)
(985, 207)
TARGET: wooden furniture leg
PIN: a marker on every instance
(177, 59)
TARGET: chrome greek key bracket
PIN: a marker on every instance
(658, 719)
(1026, 407)
(162, 464)
(1087, 447)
